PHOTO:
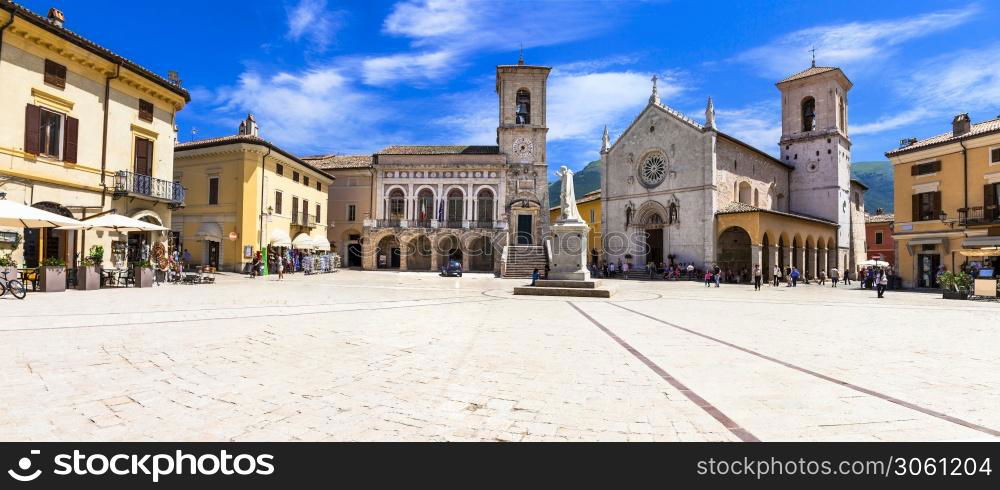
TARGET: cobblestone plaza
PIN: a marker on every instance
(413, 356)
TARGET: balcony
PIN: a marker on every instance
(454, 223)
(131, 184)
(435, 224)
(978, 215)
(487, 224)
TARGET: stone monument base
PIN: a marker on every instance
(550, 287)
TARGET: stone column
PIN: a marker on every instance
(756, 257)
(821, 256)
(801, 254)
(774, 251)
(402, 254)
(788, 259)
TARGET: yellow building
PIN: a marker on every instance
(947, 196)
(589, 206)
(243, 194)
(83, 131)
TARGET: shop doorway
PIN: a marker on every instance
(927, 267)
(213, 254)
(353, 255)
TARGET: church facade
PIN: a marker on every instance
(679, 191)
(434, 204)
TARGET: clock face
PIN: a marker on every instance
(523, 149)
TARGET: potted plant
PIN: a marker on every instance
(955, 285)
(8, 265)
(143, 273)
(52, 275)
(96, 253)
(88, 275)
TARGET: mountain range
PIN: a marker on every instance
(876, 175)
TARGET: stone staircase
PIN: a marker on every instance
(523, 259)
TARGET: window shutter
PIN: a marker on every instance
(55, 74)
(937, 204)
(937, 166)
(71, 137)
(989, 201)
(913, 169)
(32, 129)
(141, 157)
(916, 207)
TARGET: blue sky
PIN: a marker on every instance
(349, 77)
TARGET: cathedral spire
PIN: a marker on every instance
(655, 97)
(605, 141)
(710, 114)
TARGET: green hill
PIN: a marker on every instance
(586, 180)
(876, 175)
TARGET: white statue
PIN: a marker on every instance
(567, 196)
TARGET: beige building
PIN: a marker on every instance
(349, 202)
(83, 131)
(244, 194)
(947, 199)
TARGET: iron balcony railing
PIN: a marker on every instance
(388, 223)
(483, 223)
(453, 223)
(978, 215)
(421, 223)
(130, 183)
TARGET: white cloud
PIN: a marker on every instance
(311, 20)
(757, 125)
(454, 29)
(422, 67)
(856, 45)
(960, 81)
(313, 111)
(581, 104)
(428, 19)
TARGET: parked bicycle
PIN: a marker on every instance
(15, 286)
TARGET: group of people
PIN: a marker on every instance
(675, 271)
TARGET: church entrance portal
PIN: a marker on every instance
(524, 229)
(654, 245)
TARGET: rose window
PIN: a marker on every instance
(652, 171)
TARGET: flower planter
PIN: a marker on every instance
(52, 279)
(143, 277)
(88, 278)
(948, 294)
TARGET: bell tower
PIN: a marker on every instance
(815, 141)
(521, 136)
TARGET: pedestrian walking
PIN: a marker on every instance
(757, 277)
(795, 276)
(690, 269)
(708, 279)
(534, 276)
(883, 281)
(822, 278)
(834, 276)
(281, 268)
(847, 276)
(625, 268)
(718, 275)
(776, 276)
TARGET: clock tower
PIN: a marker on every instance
(521, 133)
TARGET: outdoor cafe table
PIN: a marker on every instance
(111, 276)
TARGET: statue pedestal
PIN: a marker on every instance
(569, 251)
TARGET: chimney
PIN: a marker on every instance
(960, 125)
(56, 17)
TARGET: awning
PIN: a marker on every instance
(926, 241)
(322, 244)
(981, 241)
(981, 252)
(279, 238)
(303, 242)
(210, 231)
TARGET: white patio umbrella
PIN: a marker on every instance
(16, 215)
(116, 222)
(322, 244)
(874, 263)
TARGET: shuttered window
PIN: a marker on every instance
(305, 180)
(45, 128)
(926, 206)
(295, 210)
(305, 212)
(318, 213)
(32, 115)
(319, 187)
(277, 202)
(55, 74)
(280, 169)
(295, 176)
(213, 190)
(925, 168)
(145, 110)
(143, 156)
(991, 201)
(995, 155)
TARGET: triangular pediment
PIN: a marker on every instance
(661, 109)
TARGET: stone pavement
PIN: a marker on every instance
(412, 356)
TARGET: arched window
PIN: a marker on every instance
(456, 208)
(484, 208)
(523, 101)
(397, 204)
(425, 207)
(744, 192)
(808, 114)
(843, 114)
(756, 198)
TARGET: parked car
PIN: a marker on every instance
(454, 268)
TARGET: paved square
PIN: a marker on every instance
(412, 356)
